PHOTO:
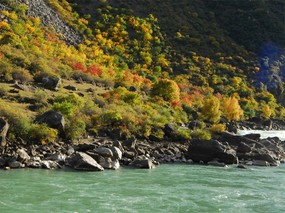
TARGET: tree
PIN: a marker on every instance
(231, 109)
(167, 89)
(211, 109)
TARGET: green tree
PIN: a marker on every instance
(167, 89)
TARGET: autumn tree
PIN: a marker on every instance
(211, 109)
(231, 109)
(167, 89)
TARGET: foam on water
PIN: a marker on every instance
(265, 134)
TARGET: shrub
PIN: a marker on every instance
(42, 133)
(217, 128)
(201, 134)
(75, 127)
(68, 104)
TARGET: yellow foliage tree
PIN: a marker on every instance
(211, 109)
(231, 109)
(167, 89)
(266, 111)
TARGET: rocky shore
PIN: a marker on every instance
(97, 154)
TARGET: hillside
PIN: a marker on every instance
(125, 68)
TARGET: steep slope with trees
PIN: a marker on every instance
(140, 65)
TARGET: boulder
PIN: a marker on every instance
(22, 156)
(107, 163)
(51, 83)
(2, 162)
(260, 163)
(208, 150)
(235, 140)
(34, 164)
(48, 164)
(53, 119)
(118, 144)
(13, 164)
(70, 87)
(169, 130)
(130, 142)
(104, 152)
(117, 154)
(142, 163)
(57, 157)
(82, 161)
(84, 147)
(4, 126)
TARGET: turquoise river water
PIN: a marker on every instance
(168, 188)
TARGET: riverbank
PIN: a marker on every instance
(98, 154)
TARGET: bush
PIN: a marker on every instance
(75, 128)
(42, 133)
(217, 128)
(201, 134)
(167, 89)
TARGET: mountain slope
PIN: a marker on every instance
(133, 67)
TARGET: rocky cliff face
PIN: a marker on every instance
(38, 8)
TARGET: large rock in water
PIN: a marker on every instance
(84, 162)
(53, 119)
(143, 163)
(4, 126)
(209, 150)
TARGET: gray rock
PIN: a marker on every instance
(208, 150)
(2, 162)
(104, 152)
(84, 147)
(53, 119)
(57, 157)
(51, 83)
(15, 164)
(22, 156)
(130, 142)
(34, 164)
(117, 154)
(143, 163)
(260, 163)
(82, 161)
(4, 127)
(48, 164)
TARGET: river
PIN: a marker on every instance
(168, 188)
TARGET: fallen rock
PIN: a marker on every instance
(142, 163)
(51, 83)
(15, 164)
(104, 152)
(4, 126)
(22, 156)
(48, 164)
(57, 157)
(53, 119)
(208, 150)
(82, 161)
(117, 154)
